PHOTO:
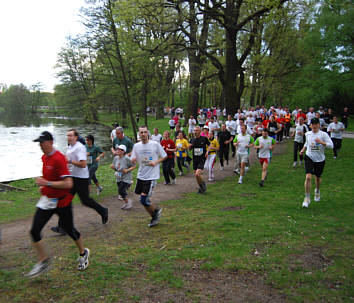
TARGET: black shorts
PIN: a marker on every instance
(198, 163)
(143, 186)
(123, 188)
(314, 168)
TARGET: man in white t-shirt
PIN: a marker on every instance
(77, 163)
(336, 130)
(310, 115)
(231, 127)
(149, 154)
(315, 144)
(214, 126)
(243, 142)
(299, 135)
(191, 124)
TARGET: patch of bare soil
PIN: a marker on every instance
(312, 258)
(208, 286)
(233, 208)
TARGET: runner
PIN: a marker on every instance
(243, 142)
(156, 136)
(77, 158)
(169, 163)
(336, 130)
(211, 155)
(121, 139)
(316, 142)
(299, 139)
(199, 145)
(94, 155)
(123, 167)
(224, 138)
(231, 126)
(191, 124)
(149, 154)
(55, 198)
(264, 145)
(181, 153)
(214, 126)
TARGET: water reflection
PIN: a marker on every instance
(21, 157)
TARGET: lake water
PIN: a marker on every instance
(20, 157)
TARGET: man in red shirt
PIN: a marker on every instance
(300, 114)
(169, 163)
(55, 198)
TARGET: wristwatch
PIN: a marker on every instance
(49, 184)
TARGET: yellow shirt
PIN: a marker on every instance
(182, 146)
(213, 143)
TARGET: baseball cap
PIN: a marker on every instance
(122, 147)
(206, 126)
(45, 136)
(315, 121)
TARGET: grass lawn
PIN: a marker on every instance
(234, 231)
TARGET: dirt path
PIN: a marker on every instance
(15, 235)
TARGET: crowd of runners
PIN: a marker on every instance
(210, 135)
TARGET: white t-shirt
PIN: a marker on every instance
(77, 152)
(250, 122)
(213, 126)
(309, 116)
(231, 127)
(314, 150)
(191, 124)
(243, 140)
(248, 130)
(144, 153)
(171, 122)
(300, 131)
(266, 143)
(157, 138)
(336, 133)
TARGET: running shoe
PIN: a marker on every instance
(237, 171)
(99, 189)
(120, 197)
(306, 202)
(211, 180)
(247, 169)
(38, 269)
(105, 216)
(240, 181)
(261, 184)
(129, 205)
(84, 260)
(180, 174)
(173, 181)
(334, 157)
(155, 218)
(59, 230)
(317, 196)
(124, 206)
(221, 168)
(167, 183)
(295, 163)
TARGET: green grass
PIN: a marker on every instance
(350, 125)
(305, 254)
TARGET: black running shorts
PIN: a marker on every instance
(314, 168)
(143, 187)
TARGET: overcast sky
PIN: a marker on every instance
(31, 34)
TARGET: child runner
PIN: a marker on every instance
(316, 142)
(94, 155)
(264, 145)
(211, 155)
(182, 146)
(123, 167)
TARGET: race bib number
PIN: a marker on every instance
(47, 203)
(198, 151)
(272, 129)
(146, 161)
(315, 146)
(179, 145)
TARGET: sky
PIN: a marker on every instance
(31, 35)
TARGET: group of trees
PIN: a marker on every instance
(194, 53)
(18, 100)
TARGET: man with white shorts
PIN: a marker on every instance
(243, 142)
(315, 144)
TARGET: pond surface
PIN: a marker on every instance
(20, 157)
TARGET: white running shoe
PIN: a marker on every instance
(306, 202)
(317, 196)
(124, 206)
(180, 174)
(128, 205)
(240, 181)
(120, 197)
(295, 163)
(84, 260)
(38, 269)
(221, 168)
(173, 181)
(210, 180)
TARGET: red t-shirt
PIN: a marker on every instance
(281, 121)
(170, 145)
(175, 118)
(265, 123)
(55, 168)
(300, 115)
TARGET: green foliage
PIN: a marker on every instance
(16, 100)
